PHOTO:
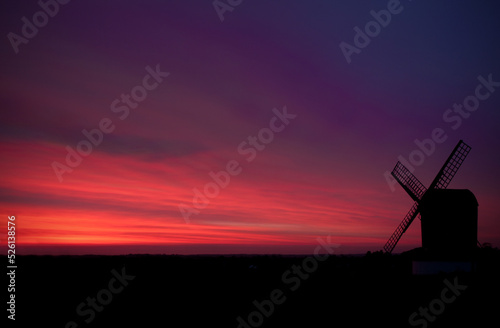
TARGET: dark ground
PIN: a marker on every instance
(212, 291)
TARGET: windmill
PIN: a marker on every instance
(433, 200)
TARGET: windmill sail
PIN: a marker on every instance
(400, 230)
(409, 182)
(451, 166)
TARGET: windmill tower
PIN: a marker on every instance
(448, 217)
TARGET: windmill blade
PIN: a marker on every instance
(401, 229)
(408, 181)
(451, 166)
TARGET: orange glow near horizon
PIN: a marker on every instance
(105, 204)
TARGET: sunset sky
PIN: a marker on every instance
(319, 174)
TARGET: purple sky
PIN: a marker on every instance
(323, 175)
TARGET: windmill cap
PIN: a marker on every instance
(449, 196)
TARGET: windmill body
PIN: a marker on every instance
(449, 221)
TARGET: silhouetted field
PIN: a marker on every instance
(213, 291)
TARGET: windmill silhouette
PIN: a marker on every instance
(449, 217)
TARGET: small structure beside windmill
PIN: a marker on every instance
(448, 218)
